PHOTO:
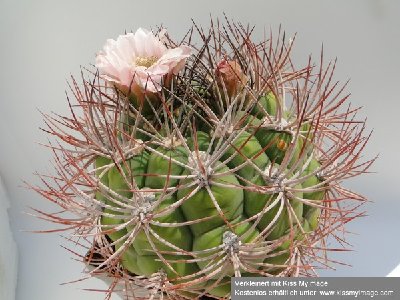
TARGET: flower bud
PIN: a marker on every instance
(230, 75)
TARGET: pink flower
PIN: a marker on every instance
(140, 59)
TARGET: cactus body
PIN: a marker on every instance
(245, 181)
(231, 167)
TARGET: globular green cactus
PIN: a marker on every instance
(229, 163)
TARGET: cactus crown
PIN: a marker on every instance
(230, 166)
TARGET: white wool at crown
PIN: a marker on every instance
(8, 250)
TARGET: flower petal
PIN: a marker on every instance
(118, 60)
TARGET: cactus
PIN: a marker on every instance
(229, 164)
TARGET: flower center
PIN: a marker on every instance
(145, 61)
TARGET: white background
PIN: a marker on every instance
(43, 42)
